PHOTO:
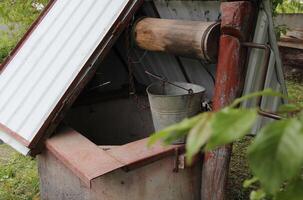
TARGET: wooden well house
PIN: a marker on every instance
(73, 91)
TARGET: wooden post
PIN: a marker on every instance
(194, 39)
(236, 25)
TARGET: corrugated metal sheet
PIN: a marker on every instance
(196, 71)
(209, 11)
(45, 65)
(189, 10)
(162, 63)
(174, 68)
(253, 76)
(256, 58)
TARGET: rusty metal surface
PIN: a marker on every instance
(136, 154)
(154, 181)
(88, 161)
(81, 156)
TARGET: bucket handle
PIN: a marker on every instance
(165, 80)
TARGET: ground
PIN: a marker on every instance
(19, 177)
(239, 170)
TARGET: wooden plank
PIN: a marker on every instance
(297, 44)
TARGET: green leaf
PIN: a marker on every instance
(175, 131)
(229, 125)
(257, 195)
(293, 191)
(287, 108)
(266, 92)
(174, 136)
(198, 136)
(247, 183)
(276, 154)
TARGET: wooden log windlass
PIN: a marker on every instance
(193, 39)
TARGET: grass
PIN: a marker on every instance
(295, 91)
(18, 176)
(239, 170)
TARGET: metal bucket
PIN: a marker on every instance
(170, 104)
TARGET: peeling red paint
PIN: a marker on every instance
(237, 18)
(229, 74)
(208, 155)
(236, 26)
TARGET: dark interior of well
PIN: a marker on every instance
(113, 109)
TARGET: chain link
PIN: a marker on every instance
(132, 88)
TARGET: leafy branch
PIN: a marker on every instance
(275, 157)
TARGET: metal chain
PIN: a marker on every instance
(130, 62)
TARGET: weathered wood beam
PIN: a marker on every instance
(194, 39)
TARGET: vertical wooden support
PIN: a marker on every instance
(236, 25)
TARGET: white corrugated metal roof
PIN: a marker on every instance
(44, 66)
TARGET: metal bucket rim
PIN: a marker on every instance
(202, 89)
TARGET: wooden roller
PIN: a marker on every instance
(194, 39)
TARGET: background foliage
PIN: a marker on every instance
(18, 174)
(289, 6)
(16, 16)
(275, 155)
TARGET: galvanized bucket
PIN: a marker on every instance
(170, 104)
